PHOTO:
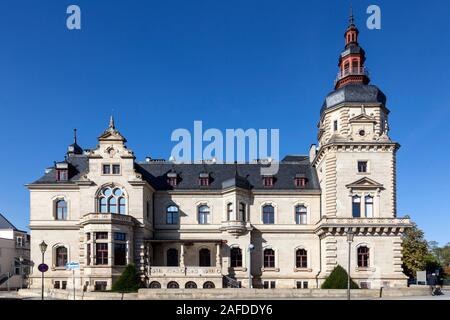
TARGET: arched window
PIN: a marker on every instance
(208, 285)
(61, 257)
(242, 212)
(356, 207)
(112, 200)
(230, 212)
(203, 214)
(190, 285)
(363, 257)
(300, 215)
(173, 285)
(268, 214)
(301, 260)
(172, 215)
(269, 258)
(61, 210)
(368, 201)
(204, 258)
(155, 285)
(172, 258)
(236, 258)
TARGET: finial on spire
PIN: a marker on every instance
(111, 122)
(351, 19)
(75, 135)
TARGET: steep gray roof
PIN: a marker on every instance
(224, 175)
(221, 175)
(78, 165)
(5, 224)
(354, 93)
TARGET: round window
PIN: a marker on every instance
(362, 133)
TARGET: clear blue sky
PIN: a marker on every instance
(232, 64)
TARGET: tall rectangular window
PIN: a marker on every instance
(335, 125)
(120, 254)
(268, 214)
(356, 207)
(101, 254)
(368, 201)
(88, 254)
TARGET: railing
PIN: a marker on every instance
(105, 217)
(184, 271)
(352, 72)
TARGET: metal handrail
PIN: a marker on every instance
(352, 72)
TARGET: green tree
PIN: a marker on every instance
(441, 254)
(338, 280)
(415, 251)
(129, 281)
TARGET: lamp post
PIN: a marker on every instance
(249, 265)
(350, 236)
(21, 271)
(43, 247)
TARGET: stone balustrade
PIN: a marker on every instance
(191, 271)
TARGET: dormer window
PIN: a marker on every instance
(268, 181)
(172, 179)
(203, 179)
(62, 171)
(300, 181)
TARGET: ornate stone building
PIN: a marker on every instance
(191, 225)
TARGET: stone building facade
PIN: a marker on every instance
(207, 225)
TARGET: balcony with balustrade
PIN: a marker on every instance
(361, 74)
(182, 263)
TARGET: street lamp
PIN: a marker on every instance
(43, 247)
(350, 236)
(249, 265)
(21, 271)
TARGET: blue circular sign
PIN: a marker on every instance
(43, 267)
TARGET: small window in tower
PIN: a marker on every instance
(106, 169)
(116, 169)
(335, 125)
(362, 166)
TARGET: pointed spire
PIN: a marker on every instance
(111, 122)
(75, 136)
(351, 19)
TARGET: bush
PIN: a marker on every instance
(129, 281)
(338, 280)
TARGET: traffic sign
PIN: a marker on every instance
(43, 267)
(72, 266)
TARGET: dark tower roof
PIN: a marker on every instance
(352, 82)
(74, 148)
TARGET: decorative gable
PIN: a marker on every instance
(365, 183)
(363, 118)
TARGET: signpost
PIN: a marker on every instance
(73, 266)
(422, 277)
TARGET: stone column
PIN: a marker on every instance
(218, 255)
(110, 249)
(93, 250)
(182, 256)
